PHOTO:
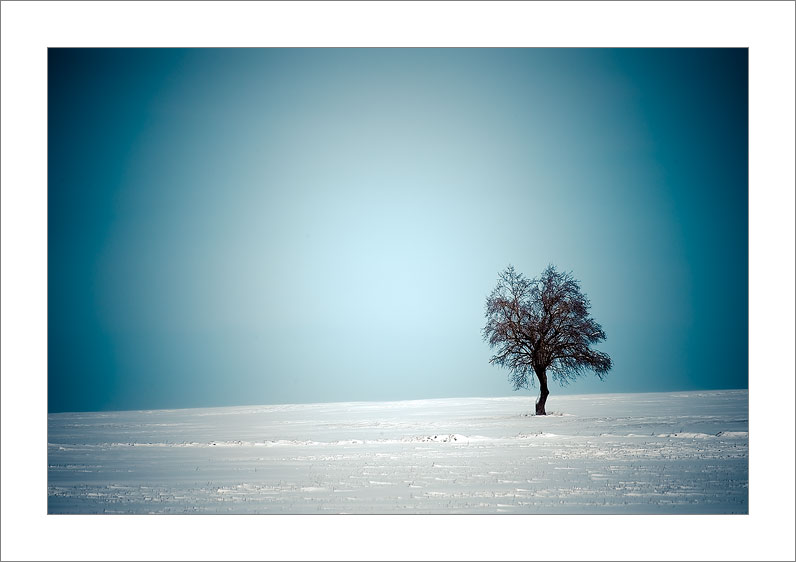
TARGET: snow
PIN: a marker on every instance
(683, 452)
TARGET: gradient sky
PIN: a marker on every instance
(255, 226)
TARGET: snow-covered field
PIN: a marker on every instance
(681, 452)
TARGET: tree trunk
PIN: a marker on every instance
(542, 394)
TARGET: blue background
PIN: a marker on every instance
(251, 226)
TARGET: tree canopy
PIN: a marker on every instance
(542, 325)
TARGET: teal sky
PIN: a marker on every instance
(253, 226)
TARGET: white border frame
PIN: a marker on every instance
(29, 28)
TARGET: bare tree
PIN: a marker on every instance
(542, 325)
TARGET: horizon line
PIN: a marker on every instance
(532, 397)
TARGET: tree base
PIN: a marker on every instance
(540, 411)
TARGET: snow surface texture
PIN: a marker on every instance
(681, 452)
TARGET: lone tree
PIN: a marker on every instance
(542, 325)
